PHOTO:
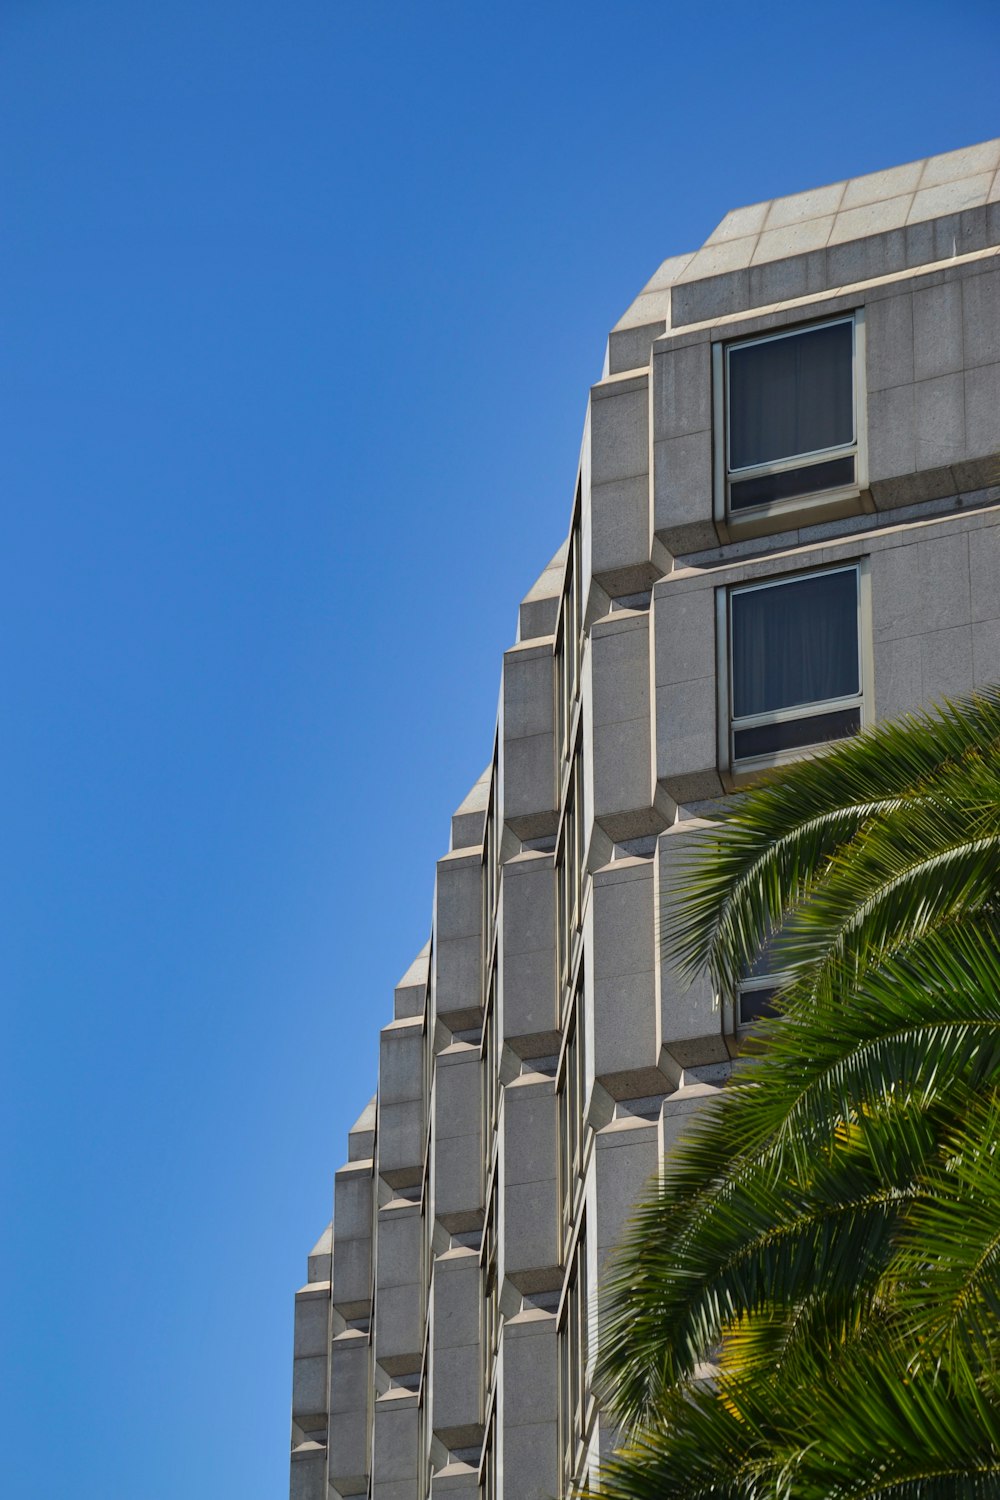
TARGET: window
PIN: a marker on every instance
(491, 861)
(427, 1221)
(488, 1249)
(574, 1353)
(488, 1465)
(572, 1089)
(490, 1054)
(795, 663)
(424, 1437)
(758, 992)
(570, 854)
(755, 1000)
(791, 416)
(569, 636)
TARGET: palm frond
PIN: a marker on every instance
(946, 1270)
(740, 879)
(826, 1237)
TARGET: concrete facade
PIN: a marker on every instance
(542, 1056)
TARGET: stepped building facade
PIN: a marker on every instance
(785, 524)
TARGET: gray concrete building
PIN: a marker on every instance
(785, 524)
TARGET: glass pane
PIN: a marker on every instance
(795, 734)
(795, 643)
(756, 1003)
(788, 484)
(791, 395)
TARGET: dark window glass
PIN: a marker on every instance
(789, 483)
(791, 395)
(795, 734)
(757, 1003)
(795, 643)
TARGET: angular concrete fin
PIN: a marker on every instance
(321, 1256)
(418, 970)
(411, 991)
(365, 1120)
(653, 303)
(539, 609)
(361, 1136)
(912, 193)
(778, 228)
(469, 817)
(877, 203)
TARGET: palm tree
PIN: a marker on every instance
(807, 1305)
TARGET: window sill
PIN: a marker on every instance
(744, 773)
(795, 513)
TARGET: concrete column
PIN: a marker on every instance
(394, 1447)
(401, 1103)
(350, 1415)
(457, 1138)
(458, 917)
(457, 1414)
(352, 1249)
(309, 1381)
(529, 1001)
(691, 1025)
(619, 484)
(618, 729)
(398, 1288)
(621, 990)
(529, 1241)
(528, 1458)
(527, 740)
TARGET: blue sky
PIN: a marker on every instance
(299, 305)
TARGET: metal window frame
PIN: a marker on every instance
(489, 1260)
(571, 1087)
(487, 1469)
(569, 636)
(817, 504)
(740, 770)
(490, 1053)
(777, 980)
(570, 866)
(574, 1307)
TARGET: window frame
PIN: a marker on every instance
(575, 1349)
(490, 1050)
(569, 637)
(754, 983)
(817, 504)
(571, 1092)
(570, 866)
(491, 867)
(487, 1475)
(744, 768)
(489, 1258)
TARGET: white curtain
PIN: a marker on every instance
(795, 643)
(791, 395)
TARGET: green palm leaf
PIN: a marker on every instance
(826, 1238)
(741, 879)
